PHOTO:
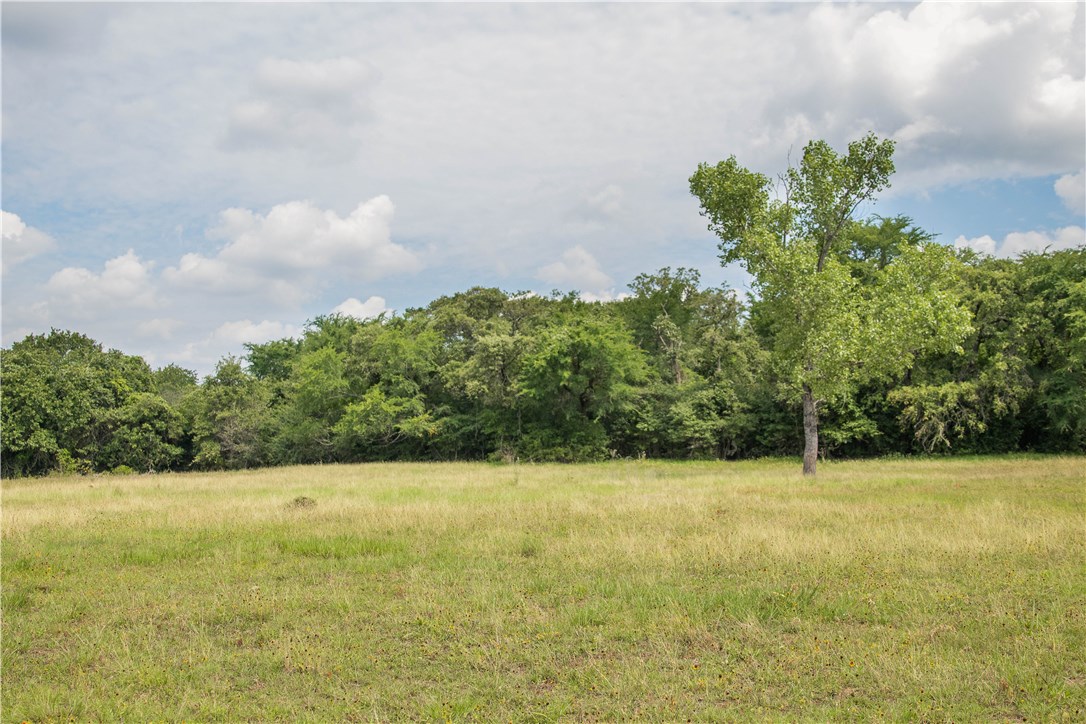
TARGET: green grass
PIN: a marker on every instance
(904, 589)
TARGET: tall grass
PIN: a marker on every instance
(936, 589)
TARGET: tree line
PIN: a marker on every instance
(674, 370)
(883, 341)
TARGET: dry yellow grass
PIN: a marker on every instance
(931, 589)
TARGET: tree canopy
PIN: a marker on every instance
(887, 341)
(846, 301)
(673, 370)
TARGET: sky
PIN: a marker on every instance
(180, 179)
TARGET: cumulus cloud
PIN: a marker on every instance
(228, 339)
(371, 308)
(1021, 242)
(21, 242)
(1071, 188)
(184, 105)
(577, 269)
(162, 328)
(23, 319)
(125, 281)
(981, 244)
(970, 90)
(603, 205)
(246, 331)
(309, 105)
(607, 295)
(325, 82)
(298, 235)
(295, 249)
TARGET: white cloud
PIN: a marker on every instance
(971, 90)
(1037, 241)
(243, 331)
(604, 205)
(1071, 188)
(228, 339)
(125, 281)
(604, 296)
(577, 269)
(320, 82)
(1021, 242)
(21, 320)
(162, 328)
(505, 133)
(980, 244)
(209, 274)
(913, 133)
(369, 309)
(310, 105)
(295, 250)
(298, 235)
(15, 334)
(21, 242)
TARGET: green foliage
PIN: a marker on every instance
(272, 360)
(661, 307)
(578, 370)
(333, 330)
(930, 590)
(378, 420)
(69, 406)
(229, 418)
(673, 370)
(172, 383)
(845, 302)
(144, 433)
(318, 384)
(698, 400)
(1054, 287)
(581, 366)
(736, 202)
(698, 419)
(1020, 381)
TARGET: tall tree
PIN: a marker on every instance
(1020, 383)
(65, 400)
(833, 327)
(578, 370)
(229, 418)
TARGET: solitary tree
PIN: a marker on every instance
(841, 315)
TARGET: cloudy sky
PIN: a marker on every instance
(180, 179)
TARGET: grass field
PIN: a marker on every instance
(905, 589)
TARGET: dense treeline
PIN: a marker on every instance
(674, 370)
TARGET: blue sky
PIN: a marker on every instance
(179, 179)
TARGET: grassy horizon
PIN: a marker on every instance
(939, 589)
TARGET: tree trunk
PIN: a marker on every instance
(810, 432)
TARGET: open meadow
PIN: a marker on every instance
(949, 589)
